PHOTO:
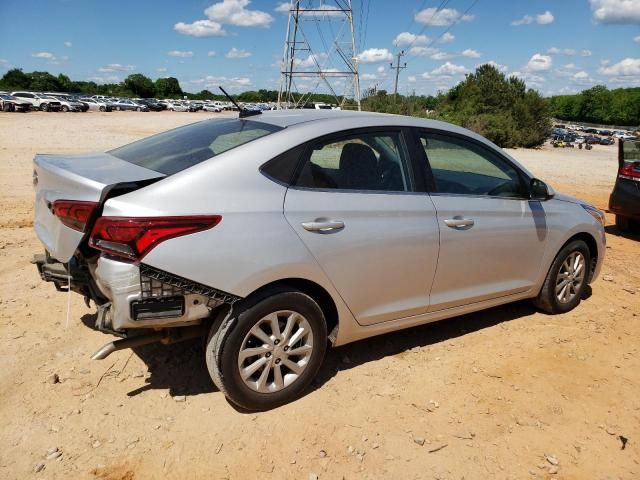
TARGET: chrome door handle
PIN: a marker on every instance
(459, 223)
(323, 226)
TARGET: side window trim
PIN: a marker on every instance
(401, 131)
(433, 188)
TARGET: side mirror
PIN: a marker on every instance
(538, 190)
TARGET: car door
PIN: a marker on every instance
(492, 237)
(356, 207)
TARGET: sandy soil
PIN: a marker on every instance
(505, 393)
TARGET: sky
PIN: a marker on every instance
(559, 46)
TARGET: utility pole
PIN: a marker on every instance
(398, 67)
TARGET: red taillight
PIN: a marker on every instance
(631, 170)
(74, 213)
(134, 237)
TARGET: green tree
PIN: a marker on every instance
(15, 79)
(140, 85)
(168, 88)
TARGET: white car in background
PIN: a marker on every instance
(97, 105)
(38, 101)
(177, 107)
(210, 107)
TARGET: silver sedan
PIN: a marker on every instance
(276, 235)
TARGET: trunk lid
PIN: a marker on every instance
(89, 177)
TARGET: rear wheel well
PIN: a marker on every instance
(593, 249)
(315, 291)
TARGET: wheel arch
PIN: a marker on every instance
(593, 249)
(308, 287)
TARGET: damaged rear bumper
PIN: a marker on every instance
(131, 296)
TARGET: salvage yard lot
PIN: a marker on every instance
(503, 393)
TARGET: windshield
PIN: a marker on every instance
(183, 147)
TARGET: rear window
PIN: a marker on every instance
(183, 147)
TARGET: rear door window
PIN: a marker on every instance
(183, 147)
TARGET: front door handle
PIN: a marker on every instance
(459, 223)
(322, 225)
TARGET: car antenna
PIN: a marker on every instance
(244, 112)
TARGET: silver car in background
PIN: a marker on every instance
(275, 235)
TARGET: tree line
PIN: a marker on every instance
(488, 102)
(598, 104)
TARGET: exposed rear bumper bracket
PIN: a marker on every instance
(158, 283)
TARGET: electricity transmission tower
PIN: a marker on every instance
(319, 53)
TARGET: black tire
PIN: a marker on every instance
(44, 107)
(102, 109)
(226, 338)
(547, 300)
(117, 109)
(138, 109)
(64, 108)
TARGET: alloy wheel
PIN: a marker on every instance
(570, 277)
(275, 351)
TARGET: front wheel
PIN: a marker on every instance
(566, 280)
(102, 109)
(138, 109)
(267, 352)
(64, 108)
(44, 107)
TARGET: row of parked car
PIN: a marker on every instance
(579, 136)
(23, 101)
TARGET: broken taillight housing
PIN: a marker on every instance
(74, 213)
(133, 237)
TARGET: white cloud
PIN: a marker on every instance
(441, 18)
(116, 67)
(234, 12)
(412, 79)
(581, 75)
(582, 78)
(616, 11)
(211, 53)
(636, 39)
(470, 53)
(161, 70)
(68, 44)
(500, 68)
(624, 68)
(380, 69)
(530, 78)
(566, 70)
(105, 79)
(180, 54)
(449, 68)
(538, 63)
(422, 51)
(44, 55)
(237, 53)
(375, 55)
(50, 57)
(368, 76)
(200, 28)
(437, 55)
(541, 19)
(569, 52)
(447, 38)
(405, 39)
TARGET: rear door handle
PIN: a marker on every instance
(322, 225)
(459, 223)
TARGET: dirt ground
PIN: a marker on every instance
(505, 393)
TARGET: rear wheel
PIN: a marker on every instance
(64, 108)
(566, 280)
(266, 354)
(138, 109)
(102, 109)
(44, 107)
